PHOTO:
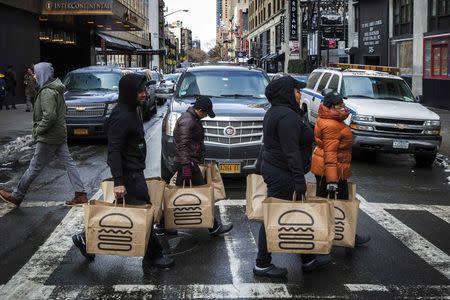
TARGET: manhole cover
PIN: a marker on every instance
(177, 244)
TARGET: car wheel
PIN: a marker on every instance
(166, 174)
(424, 160)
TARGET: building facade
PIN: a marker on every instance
(410, 34)
(72, 34)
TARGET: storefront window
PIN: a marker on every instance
(405, 57)
(436, 59)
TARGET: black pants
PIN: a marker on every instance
(2, 101)
(280, 184)
(321, 188)
(197, 179)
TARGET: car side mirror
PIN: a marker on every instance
(150, 82)
(419, 99)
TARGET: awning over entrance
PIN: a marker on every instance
(264, 57)
(276, 56)
(116, 42)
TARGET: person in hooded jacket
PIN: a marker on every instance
(285, 161)
(188, 138)
(127, 151)
(50, 132)
(332, 157)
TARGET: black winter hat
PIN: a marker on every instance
(332, 98)
(205, 104)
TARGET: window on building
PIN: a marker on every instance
(438, 14)
(403, 12)
(264, 14)
(435, 64)
(278, 5)
(269, 10)
(278, 36)
(405, 57)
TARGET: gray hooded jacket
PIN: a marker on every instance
(49, 117)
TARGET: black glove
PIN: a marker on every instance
(300, 190)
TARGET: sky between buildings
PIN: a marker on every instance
(201, 19)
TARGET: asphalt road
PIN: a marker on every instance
(406, 210)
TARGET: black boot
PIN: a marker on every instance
(361, 239)
(271, 271)
(80, 241)
(320, 260)
(161, 261)
(220, 228)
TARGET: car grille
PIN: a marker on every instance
(239, 131)
(88, 110)
(399, 126)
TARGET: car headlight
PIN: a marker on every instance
(170, 122)
(432, 123)
(361, 127)
(363, 118)
(109, 108)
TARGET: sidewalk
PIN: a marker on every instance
(14, 123)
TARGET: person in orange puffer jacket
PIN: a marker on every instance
(332, 157)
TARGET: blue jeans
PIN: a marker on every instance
(43, 155)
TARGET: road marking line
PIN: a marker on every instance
(411, 239)
(440, 211)
(366, 288)
(231, 245)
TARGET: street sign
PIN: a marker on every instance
(282, 36)
(293, 23)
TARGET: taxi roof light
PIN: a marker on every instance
(386, 69)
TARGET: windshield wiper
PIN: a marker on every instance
(240, 96)
(195, 95)
(359, 96)
(396, 99)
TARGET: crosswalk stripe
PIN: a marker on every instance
(366, 287)
(440, 211)
(411, 239)
(28, 282)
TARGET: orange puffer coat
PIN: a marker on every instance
(333, 154)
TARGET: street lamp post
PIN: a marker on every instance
(171, 13)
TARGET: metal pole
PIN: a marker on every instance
(319, 37)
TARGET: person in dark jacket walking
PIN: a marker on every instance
(188, 137)
(50, 132)
(11, 83)
(30, 84)
(285, 161)
(127, 151)
(2, 90)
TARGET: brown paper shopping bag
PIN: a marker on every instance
(345, 213)
(173, 180)
(156, 187)
(117, 229)
(256, 193)
(299, 226)
(216, 182)
(189, 207)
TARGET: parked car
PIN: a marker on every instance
(385, 115)
(167, 85)
(234, 137)
(92, 93)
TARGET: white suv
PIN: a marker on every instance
(385, 116)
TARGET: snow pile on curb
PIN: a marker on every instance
(14, 148)
(444, 162)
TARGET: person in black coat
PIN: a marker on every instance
(286, 159)
(188, 138)
(127, 152)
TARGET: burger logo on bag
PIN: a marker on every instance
(116, 235)
(187, 210)
(296, 235)
(339, 217)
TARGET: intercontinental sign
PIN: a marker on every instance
(85, 7)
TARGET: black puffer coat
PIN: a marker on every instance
(287, 140)
(188, 137)
(126, 137)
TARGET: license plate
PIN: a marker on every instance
(80, 131)
(401, 144)
(230, 168)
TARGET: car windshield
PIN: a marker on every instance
(377, 88)
(223, 84)
(92, 81)
(171, 77)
